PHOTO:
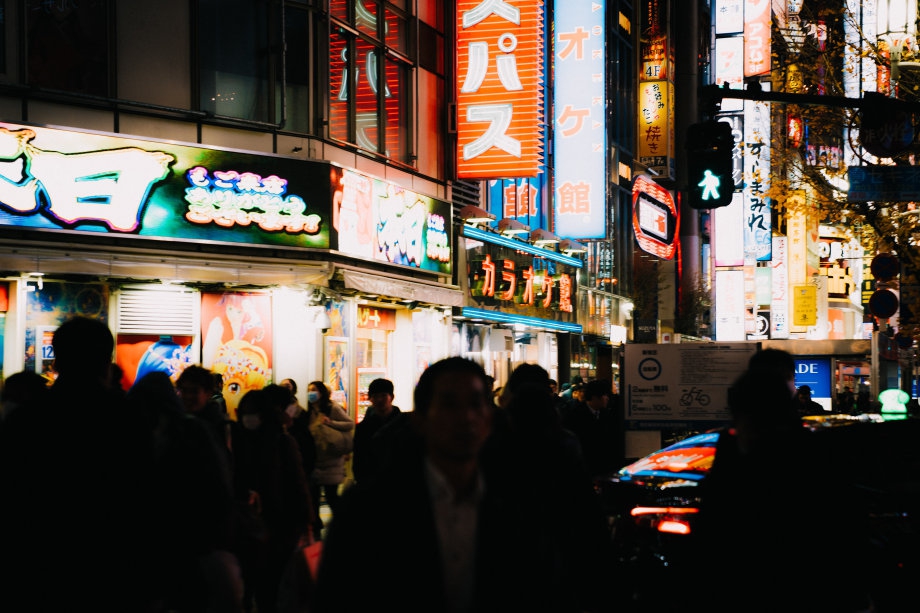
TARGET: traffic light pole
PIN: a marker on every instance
(713, 94)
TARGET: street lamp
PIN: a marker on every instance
(897, 27)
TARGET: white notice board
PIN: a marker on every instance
(681, 386)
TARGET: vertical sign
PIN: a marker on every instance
(727, 235)
(729, 68)
(656, 92)
(729, 16)
(500, 68)
(729, 285)
(579, 126)
(758, 230)
(756, 37)
(779, 306)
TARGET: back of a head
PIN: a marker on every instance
(760, 399)
(198, 376)
(424, 389)
(773, 360)
(527, 374)
(154, 394)
(532, 408)
(83, 346)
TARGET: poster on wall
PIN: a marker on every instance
(142, 354)
(236, 342)
(336, 372)
(50, 304)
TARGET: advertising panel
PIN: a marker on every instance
(729, 67)
(757, 38)
(728, 234)
(579, 123)
(500, 69)
(93, 183)
(379, 220)
(758, 231)
(729, 307)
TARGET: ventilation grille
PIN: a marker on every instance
(466, 192)
(158, 312)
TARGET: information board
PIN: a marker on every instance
(681, 386)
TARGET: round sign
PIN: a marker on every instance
(885, 129)
(883, 303)
(885, 266)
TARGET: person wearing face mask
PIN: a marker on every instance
(333, 432)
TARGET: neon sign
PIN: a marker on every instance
(71, 181)
(525, 286)
(232, 198)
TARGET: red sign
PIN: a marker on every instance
(655, 218)
(500, 69)
(378, 319)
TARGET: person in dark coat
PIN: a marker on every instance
(74, 524)
(269, 466)
(757, 508)
(548, 462)
(596, 426)
(374, 436)
(444, 532)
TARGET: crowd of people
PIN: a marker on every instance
(151, 499)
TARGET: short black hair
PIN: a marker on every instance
(196, 375)
(380, 386)
(83, 345)
(596, 388)
(424, 389)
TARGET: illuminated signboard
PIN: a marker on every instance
(758, 228)
(729, 66)
(519, 199)
(579, 122)
(519, 281)
(655, 218)
(500, 69)
(757, 38)
(87, 182)
(379, 220)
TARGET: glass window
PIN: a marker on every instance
(370, 76)
(68, 46)
(236, 62)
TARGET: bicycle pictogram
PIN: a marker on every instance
(694, 395)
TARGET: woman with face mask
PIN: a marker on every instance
(333, 433)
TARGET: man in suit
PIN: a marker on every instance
(446, 529)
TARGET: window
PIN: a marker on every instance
(238, 69)
(68, 46)
(370, 63)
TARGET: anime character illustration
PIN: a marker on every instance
(237, 342)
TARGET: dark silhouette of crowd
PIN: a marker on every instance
(150, 499)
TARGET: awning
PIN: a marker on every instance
(403, 289)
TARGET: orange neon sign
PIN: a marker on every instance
(500, 73)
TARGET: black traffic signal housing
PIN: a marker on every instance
(710, 183)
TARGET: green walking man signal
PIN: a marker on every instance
(709, 165)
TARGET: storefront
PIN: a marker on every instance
(519, 302)
(259, 267)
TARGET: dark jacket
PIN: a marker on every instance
(373, 440)
(386, 526)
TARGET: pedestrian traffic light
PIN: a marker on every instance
(710, 183)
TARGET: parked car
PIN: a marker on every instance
(653, 505)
